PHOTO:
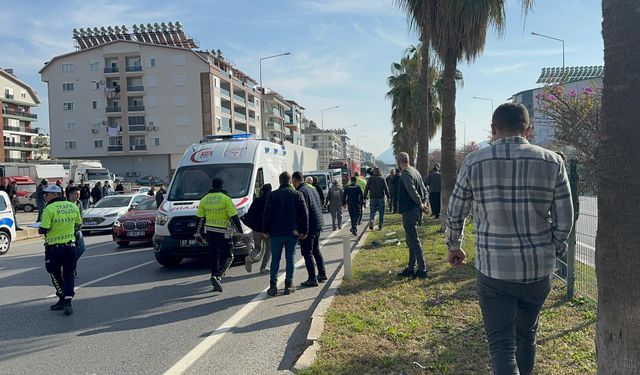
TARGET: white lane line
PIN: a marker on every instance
(89, 247)
(123, 252)
(205, 345)
(108, 276)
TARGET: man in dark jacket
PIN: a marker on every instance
(160, 196)
(353, 198)
(67, 190)
(85, 195)
(310, 246)
(285, 220)
(253, 219)
(433, 183)
(377, 187)
(316, 184)
(393, 191)
(40, 201)
(412, 198)
(96, 193)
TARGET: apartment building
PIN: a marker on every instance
(16, 123)
(137, 100)
(327, 142)
(295, 123)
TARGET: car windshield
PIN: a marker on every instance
(146, 205)
(98, 174)
(194, 182)
(114, 201)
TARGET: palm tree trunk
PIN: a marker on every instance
(618, 239)
(448, 138)
(422, 163)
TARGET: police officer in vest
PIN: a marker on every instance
(60, 221)
(215, 212)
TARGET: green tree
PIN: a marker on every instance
(618, 240)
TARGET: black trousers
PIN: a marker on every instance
(310, 248)
(60, 262)
(355, 211)
(220, 253)
(434, 201)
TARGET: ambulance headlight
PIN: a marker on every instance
(161, 219)
(242, 211)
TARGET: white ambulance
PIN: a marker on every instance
(243, 163)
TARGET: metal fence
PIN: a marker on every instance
(578, 267)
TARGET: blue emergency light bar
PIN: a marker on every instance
(228, 136)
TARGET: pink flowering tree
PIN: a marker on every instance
(577, 119)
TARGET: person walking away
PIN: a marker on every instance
(96, 193)
(214, 213)
(119, 188)
(160, 196)
(40, 201)
(433, 184)
(67, 190)
(391, 185)
(377, 187)
(335, 197)
(310, 246)
(316, 184)
(74, 197)
(85, 195)
(12, 192)
(412, 198)
(59, 184)
(253, 219)
(362, 183)
(60, 220)
(353, 198)
(523, 214)
(285, 220)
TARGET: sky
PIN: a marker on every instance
(341, 51)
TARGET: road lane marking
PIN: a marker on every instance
(212, 338)
(108, 276)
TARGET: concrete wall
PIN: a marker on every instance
(155, 165)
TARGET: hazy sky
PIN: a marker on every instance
(341, 50)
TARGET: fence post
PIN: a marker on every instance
(346, 249)
(571, 251)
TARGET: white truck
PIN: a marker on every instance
(89, 172)
(244, 164)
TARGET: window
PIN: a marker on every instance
(155, 142)
(95, 66)
(179, 60)
(23, 94)
(98, 143)
(152, 62)
(67, 68)
(70, 145)
(179, 80)
(180, 100)
(69, 125)
(94, 104)
(3, 204)
(67, 87)
(259, 182)
(67, 106)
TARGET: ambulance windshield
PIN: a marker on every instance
(194, 181)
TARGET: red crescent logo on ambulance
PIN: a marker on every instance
(242, 201)
(201, 156)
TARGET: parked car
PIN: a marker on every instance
(119, 179)
(140, 190)
(149, 181)
(27, 203)
(7, 224)
(137, 224)
(103, 214)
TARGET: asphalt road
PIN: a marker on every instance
(586, 229)
(133, 316)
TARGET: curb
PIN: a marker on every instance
(317, 318)
(27, 234)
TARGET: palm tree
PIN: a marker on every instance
(618, 239)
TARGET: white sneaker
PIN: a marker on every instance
(248, 263)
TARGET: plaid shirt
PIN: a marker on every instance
(522, 209)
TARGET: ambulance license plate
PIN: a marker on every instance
(187, 243)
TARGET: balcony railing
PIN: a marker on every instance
(114, 148)
(8, 96)
(13, 112)
(138, 147)
(239, 98)
(113, 109)
(133, 68)
(226, 110)
(251, 104)
(225, 92)
(112, 69)
(137, 128)
(20, 145)
(135, 88)
(240, 116)
(274, 126)
(136, 108)
(20, 129)
(16, 160)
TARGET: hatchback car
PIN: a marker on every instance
(137, 224)
(103, 214)
(27, 203)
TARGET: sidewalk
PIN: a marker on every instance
(24, 219)
(379, 323)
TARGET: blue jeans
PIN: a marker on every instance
(80, 246)
(289, 243)
(510, 311)
(377, 204)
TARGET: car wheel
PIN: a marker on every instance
(28, 208)
(168, 261)
(5, 242)
(123, 243)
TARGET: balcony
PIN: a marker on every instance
(135, 88)
(113, 109)
(20, 129)
(273, 126)
(8, 96)
(138, 148)
(137, 128)
(251, 104)
(112, 69)
(133, 68)
(225, 92)
(16, 160)
(240, 116)
(226, 111)
(20, 145)
(276, 112)
(136, 108)
(23, 115)
(114, 148)
(239, 99)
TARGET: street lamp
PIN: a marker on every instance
(556, 39)
(464, 123)
(262, 104)
(322, 115)
(270, 57)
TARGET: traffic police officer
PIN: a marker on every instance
(60, 221)
(215, 212)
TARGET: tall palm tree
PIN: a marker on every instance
(618, 239)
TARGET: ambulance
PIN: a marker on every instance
(245, 164)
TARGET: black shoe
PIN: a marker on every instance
(420, 275)
(379, 227)
(309, 283)
(273, 289)
(406, 273)
(334, 228)
(322, 278)
(68, 310)
(217, 284)
(58, 305)
(371, 225)
(288, 288)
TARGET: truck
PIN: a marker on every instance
(27, 174)
(325, 177)
(245, 164)
(348, 167)
(89, 172)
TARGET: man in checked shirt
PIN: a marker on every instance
(522, 211)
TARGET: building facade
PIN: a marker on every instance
(327, 142)
(16, 123)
